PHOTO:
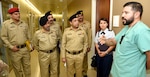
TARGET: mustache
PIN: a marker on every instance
(51, 20)
(124, 18)
(80, 18)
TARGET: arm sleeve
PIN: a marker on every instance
(112, 34)
(143, 40)
(28, 33)
(96, 38)
(85, 43)
(35, 42)
(63, 45)
(4, 37)
(89, 36)
(59, 33)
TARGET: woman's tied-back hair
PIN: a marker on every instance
(104, 19)
(136, 6)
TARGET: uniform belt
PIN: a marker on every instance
(74, 53)
(21, 46)
(50, 51)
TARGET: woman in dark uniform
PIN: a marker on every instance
(104, 54)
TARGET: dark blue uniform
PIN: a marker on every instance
(104, 63)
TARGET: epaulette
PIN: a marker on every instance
(38, 31)
(109, 30)
(7, 21)
(67, 29)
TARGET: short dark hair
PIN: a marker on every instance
(136, 6)
(104, 19)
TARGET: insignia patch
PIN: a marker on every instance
(12, 26)
(69, 34)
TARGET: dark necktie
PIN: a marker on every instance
(103, 33)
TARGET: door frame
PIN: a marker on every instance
(93, 24)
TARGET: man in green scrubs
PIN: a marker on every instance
(132, 55)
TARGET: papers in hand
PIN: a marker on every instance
(65, 64)
(29, 45)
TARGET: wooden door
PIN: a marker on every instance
(102, 11)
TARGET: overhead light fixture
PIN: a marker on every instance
(57, 15)
(32, 6)
(61, 0)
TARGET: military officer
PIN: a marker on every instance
(14, 33)
(104, 55)
(56, 27)
(74, 47)
(85, 25)
(45, 42)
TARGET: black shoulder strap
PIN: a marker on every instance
(109, 30)
(98, 33)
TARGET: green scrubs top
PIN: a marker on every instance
(129, 58)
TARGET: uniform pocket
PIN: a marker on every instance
(53, 39)
(43, 39)
(81, 37)
(70, 36)
(12, 31)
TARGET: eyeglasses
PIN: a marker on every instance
(122, 38)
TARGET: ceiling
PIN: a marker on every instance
(56, 6)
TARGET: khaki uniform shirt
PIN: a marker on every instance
(14, 34)
(85, 25)
(73, 40)
(56, 27)
(44, 41)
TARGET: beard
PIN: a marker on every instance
(127, 22)
(50, 21)
(75, 27)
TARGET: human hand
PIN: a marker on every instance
(99, 53)
(102, 53)
(102, 40)
(64, 60)
(32, 48)
(88, 49)
(15, 49)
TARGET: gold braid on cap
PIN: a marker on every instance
(81, 13)
(77, 15)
